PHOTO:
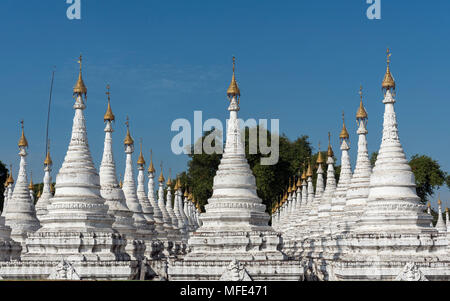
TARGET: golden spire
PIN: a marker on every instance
(320, 157)
(186, 193)
(439, 200)
(128, 140)
(48, 159)
(22, 141)
(80, 87)
(169, 181)
(429, 205)
(10, 179)
(309, 172)
(109, 116)
(31, 186)
(178, 183)
(388, 81)
(121, 182)
(293, 184)
(233, 89)
(344, 132)
(141, 160)
(289, 187)
(299, 182)
(304, 172)
(161, 176)
(39, 193)
(330, 152)
(151, 168)
(361, 113)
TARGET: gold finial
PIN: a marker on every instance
(48, 160)
(161, 176)
(320, 157)
(141, 160)
(121, 182)
(151, 168)
(293, 184)
(429, 205)
(344, 132)
(22, 141)
(128, 140)
(31, 186)
(233, 89)
(330, 152)
(109, 116)
(178, 183)
(309, 172)
(80, 87)
(39, 193)
(361, 113)
(10, 179)
(388, 81)
(289, 187)
(186, 193)
(299, 182)
(304, 171)
(439, 200)
(169, 181)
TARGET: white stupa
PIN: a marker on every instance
(77, 227)
(392, 205)
(20, 213)
(113, 194)
(358, 191)
(235, 224)
(345, 177)
(44, 199)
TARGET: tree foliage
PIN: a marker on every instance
(3, 176)
(429, 175)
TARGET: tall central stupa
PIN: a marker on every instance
(235, 224)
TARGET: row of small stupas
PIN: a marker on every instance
(90, 216)
(370, 225)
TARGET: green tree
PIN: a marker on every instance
(373, 158)
(429, 175)
(3, 176)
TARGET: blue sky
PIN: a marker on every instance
(299, 61)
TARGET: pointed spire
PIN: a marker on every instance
(330, 152)
(304, 171)
(109, 116)
(309, 172)
(344, 133)
(186, 193)
(141, 160)
(48, 160)
(169, 181)
(361, 114)
(128, 140)
(161, 176)
(121, 181)
(10, 179)
(22, 141)
(151, 167)
(80, 87)
(289, 187)
(320, 159)
(233, 89)
(31, 185)
(388, 81)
